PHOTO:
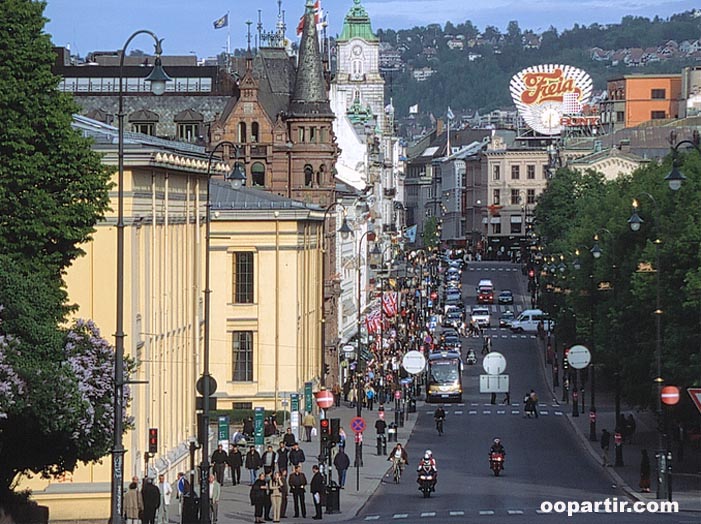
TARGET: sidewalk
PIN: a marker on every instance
(686, 473)
(235, 506)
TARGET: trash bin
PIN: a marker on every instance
(412, 405)
(401, 419)
(392, 433)
(381, 445)
(333, 498)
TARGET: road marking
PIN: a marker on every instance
(429, 514)
(400, 516)
(515, 404)
(472, 412)
(373, 517)
(458, 412)
(558, 413)
(515, 411)
(541, 512)
(474, 404)
(486, 512)
(457, 513)
(543, 412)
(461, 405)
(486, 412)
(514, 512)
(500, 411)
(505, 336)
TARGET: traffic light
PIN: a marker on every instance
(326, 369)
(335, 430)
(325, 431)
(153, 440)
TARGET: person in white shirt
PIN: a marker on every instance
(166, 491)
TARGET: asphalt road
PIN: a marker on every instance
(544, 462)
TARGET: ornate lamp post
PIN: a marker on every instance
(157, 78)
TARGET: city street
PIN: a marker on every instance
(544, 459)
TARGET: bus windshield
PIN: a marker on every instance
(445, 371)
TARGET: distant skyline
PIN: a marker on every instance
(187, 26)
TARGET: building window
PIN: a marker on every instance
(255, 129)
(320, 176)
(308, 176)
(496, 197)
(323, 133)
(188, 131)
(496, 172)
(242, 132)
(515, 197)
(530, 172)
(312, 135)
(145, 128)
(242, 356)
(530, 196)
(658, 94)
(620, 116)
(258, 174)
(546, 172)
(496, 228)
(515, 172)
(243, 278)
(515, 228)
(658, 115)
(301, 135)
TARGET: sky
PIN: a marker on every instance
(187, 25)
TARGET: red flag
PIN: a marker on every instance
(317, 18)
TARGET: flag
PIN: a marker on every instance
(221, 22)
(319, 19)
(410, 233)
(389, 303)
(450, 114)
(414, 110)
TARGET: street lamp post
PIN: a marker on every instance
(237, 177)
(345, 232)
(158, 78)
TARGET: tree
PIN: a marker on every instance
(56, 388)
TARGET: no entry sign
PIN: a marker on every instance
(670, 395)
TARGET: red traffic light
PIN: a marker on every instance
(324, 424)
(153, 440)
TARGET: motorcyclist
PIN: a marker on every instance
(430, 462)
(497, 447)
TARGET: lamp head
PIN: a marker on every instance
(158, 77)
(596, 250)
(237, 176)
(345, 229)
(675, 177)
(635, 221)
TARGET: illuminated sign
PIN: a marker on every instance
(550, 97)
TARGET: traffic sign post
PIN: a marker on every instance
(357, 424)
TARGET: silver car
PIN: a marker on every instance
(481, 316)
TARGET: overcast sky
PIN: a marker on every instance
(186, 25)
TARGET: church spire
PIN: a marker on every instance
(310, 96)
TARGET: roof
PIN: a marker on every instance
(356, 24)
(225, 197)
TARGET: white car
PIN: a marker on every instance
(481, 317)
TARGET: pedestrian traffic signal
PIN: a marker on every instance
(325, 431)
(153, 440)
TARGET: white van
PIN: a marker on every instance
(528, 321)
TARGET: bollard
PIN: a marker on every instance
(392, 432)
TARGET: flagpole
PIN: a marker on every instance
(447, 152)
(228, 37)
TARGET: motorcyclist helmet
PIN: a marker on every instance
(497, 441)
(427, 456)
(429, 453)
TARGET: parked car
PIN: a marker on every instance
(481, 316)
(452, 342)
(452, 293)
(506, 318)
(506, 297)
(528, 321)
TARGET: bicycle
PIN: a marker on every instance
(397, 470)
(439, 426)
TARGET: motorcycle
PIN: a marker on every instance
(471, 358)
(496, 462)
(427, 480)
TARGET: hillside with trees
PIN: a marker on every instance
(471, 69)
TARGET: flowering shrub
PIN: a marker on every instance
(11, 385)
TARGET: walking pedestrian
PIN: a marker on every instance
(214, 496)
(152, 500)
(317, 489)
(297, 483)
(644, 472)
(630, 427)
(289, 439)
(341, 462)
(235, 461)
(284, 491)
(133, 503)
(269, 460)
(253, 462)
(605, 443)
(180, 492)
(219, 459)
(534, 402)
(296, 455)
(166, 492)
(257, 496)
(275, 488)
(308, 422)
(282, 456)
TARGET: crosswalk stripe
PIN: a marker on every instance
(458, 412)
(456, 513)
(500, 411)
(486, 412)
(486, 512)
(514, 512)
(543, 412)
(474, 404)
(515, 411)
(373, 517)
(472, 412)
(400, 516)
(428, 514)
(558, 413)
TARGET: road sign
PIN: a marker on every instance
(695, 397)
(308, 397)
(494, 383)
(578, 357)
(406, 381)
(670, 395)
(199, 386)
(357, 424)
(324, 399)
(494, 363)
(259, 437)
(414, 362)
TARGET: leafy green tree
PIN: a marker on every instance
(431, 233)
(56, 389)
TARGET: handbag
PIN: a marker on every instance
(313, 433)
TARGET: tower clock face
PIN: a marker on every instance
(357, 50)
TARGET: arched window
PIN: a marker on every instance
(242, 132)
(254, 133)
(308, 175)
(258, 174)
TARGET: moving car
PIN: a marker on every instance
(452, 317)
(485, 292)
(528, 321)
(506, 318)
(506, 297)
(481, 316)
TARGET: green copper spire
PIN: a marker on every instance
(357, 25)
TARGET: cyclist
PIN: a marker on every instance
(399, 458)
(439, 417)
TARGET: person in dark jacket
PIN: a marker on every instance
(317, 489)
(253, 463)
(296, 455)
(605, 444)
(284, 491)
(258, 490)
(282, 454)
(341, 463)
(297, 482)
(289, 438)
(235, 461)
(268, 460)
(219, 459)
(248, 427)
(152, 501)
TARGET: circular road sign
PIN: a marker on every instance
(212, 385)
(414, 362)
(324, 399)
(357, 424)
(670, 395)
(579, 357)
(494, 363)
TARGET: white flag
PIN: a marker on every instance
(414, 110)
(450, 114)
